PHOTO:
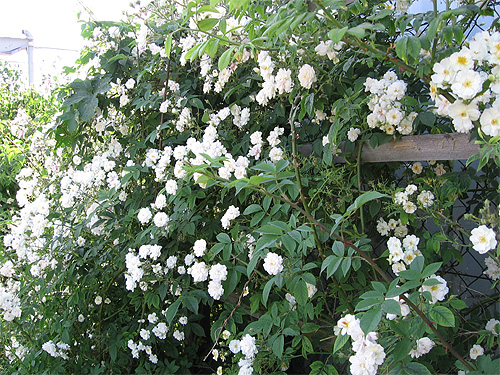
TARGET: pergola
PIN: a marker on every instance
(9, 46)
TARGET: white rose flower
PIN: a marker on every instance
(483, 239)
(307, 76)
(199, 247)
(476, 351)
(247, 346)
(273, 263)
(144, 215)
(353, 134)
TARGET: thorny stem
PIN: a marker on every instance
(165, 87)
(229, 317)
(295, 162)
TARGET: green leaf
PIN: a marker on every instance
(113, 352)
(333, 266)
(370, 320)
(414, 46)
(368, 304)
(402, 48)
(270, 229)
(288, 331)
(300, 292)
(223, 238)
(172, 310)
(310, 327)
(321, 368)
(207, 24)
(431, 269)
(346, 265)
(238, 3)
(87, 107)
(212, 47)
(391, 306)
(336, 35)
(329, 259)
(267, 290)
(225, 58)
(266, 241)
(251, 209)
(340, 341)
(162, 290)
(362, 199)
(410, 274)
(338, 248)
(417, 264)
(402, 349)
(168, 45)
(427, 118)
(197, 329)
(442, 316)
(379, 287)
(278, 345)
(412, 368)
(253, 262)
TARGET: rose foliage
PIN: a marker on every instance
(201, 205)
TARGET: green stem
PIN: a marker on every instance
(358, 168)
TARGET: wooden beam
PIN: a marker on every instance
(422, 148)
(413, 148)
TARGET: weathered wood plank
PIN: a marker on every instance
(421, 148)
(414, 148)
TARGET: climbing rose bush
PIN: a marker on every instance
(189, 213)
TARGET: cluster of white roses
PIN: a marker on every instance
(158, 329)
(369, 354)
(483, 240)
(182, 113)
(423, 346)
(329, 49)
(388, 114)
(246, 346)
(10, 304)
(402, 254)
(200, 272)
(136, 265)
(385, 227)
(15, 350)
(425, 199)
(276, 153)
(279, 84)
(240, 116)
(56, 350)
(465, 74)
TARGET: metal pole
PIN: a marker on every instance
(31, 68)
